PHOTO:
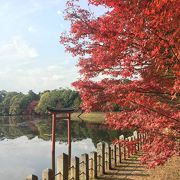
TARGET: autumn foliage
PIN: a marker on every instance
(129, 57)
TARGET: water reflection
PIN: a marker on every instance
(20, 157)
(13, 127)
(25, 143)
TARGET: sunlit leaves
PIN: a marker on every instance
(134, 40)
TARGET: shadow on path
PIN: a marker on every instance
(129, 169)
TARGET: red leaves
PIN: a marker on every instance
(160, 149)
(133, 39)
(155, 51)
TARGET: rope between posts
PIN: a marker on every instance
(58, 174)
(72, 167)
(99, 156)
(81, 173)
(82, 162)
(99, 165)
(71, 178)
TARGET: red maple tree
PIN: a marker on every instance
(129, 57)
(31, 107)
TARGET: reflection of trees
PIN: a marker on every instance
(9, 128)
(79, 131)
(13, 127)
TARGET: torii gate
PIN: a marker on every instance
(54, 112)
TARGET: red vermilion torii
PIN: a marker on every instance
(135, 45)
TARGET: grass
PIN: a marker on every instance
(169, 171)
(95, 117)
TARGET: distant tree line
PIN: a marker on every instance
(15, 103)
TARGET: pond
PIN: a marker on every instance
(25, 143)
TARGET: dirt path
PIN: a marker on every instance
(129, 169)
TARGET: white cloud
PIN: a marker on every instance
(17, 49)
(37, 78)
(32, 29)
(54, 77)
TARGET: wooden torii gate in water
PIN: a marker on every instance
(67, 115)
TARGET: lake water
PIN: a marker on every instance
(25, 143)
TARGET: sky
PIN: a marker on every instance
(31, 57)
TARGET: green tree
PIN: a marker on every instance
(17, 104)
(44, 102)
(7, 101)
(2, 95)
(32, 95)
(77, 102)
(58, 98)
(27, 100)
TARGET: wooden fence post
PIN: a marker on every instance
(48, 174)
(123, 152)
(127, 148)
(140, 141)
(135, 134)
(74, 169)
(100, 158)
(32, 177)
(147, 138)
(113, 155)
(93, 165)
(133, 147)
(139, 144)
(62, 167)
(143, 139)
(107, 157)
(121, 148)
(118, 154)
(145, 134)
(84, 167)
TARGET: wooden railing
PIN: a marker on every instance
(95, 164)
